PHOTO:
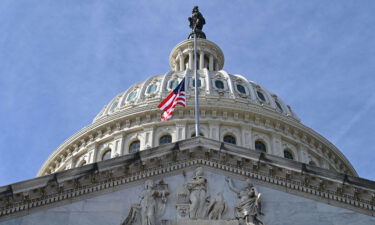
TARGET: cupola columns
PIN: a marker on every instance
(201, 60)
(209, 54)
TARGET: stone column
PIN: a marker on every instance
(180, 131)
(148, 137)
(182, 65)
(276, 145)
(246, 136)
(214, 129)
(117, 143)
(191, 59)
(211, 63)
(216, 66)
(302, 153)
(201, 60)
(91, 153)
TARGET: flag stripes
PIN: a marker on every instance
(176, 97)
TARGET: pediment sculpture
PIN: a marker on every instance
(249, 208)
(153, 200)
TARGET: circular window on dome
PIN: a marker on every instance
(241, 89)
(132, 96)
(199, 83)
(219, 84)
(152, 88)
(261, 96)
(173, 84)
(279, 106)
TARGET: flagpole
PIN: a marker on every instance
(197, 122)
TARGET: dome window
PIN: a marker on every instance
(134, 146)
(106, 155)
(241, 89)
(165, 139)
(260, 146)
(152, 88)
(288, 154)
(173, 84)
(229, 139)
(219, 84)
(279, 106)
(261, 96)
(199, 83)
(114, 106)
(132, 96)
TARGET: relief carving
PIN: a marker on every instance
(153, 200)
(249, 208)
(217, 208)
(198, 197)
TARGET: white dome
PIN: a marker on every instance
(216, 85)
(232, 108)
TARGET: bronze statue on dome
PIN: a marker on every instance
(196, 24)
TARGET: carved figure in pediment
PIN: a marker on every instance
(197, 187)
(249, 208)
(217, 208)
(153, 200)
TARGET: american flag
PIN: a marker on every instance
(176, 97)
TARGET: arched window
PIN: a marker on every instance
(199, 83)
(152, 88)
(229, 139)
(241, 89)
(132, 96)
(106, 155)
(173, 84)
(261, 96)
(82, 163)
(279, 106)
(219, 84)
(165, 139)
(134, 146)
(260, 146)
(114, 106)
(288, 154)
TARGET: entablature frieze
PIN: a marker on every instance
(272, 171)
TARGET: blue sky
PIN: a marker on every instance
(62, 61)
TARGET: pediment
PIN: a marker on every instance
(113, 186)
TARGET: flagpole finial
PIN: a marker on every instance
(196, 24)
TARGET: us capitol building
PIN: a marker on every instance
(254, 162)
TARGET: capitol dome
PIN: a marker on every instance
(232, 108)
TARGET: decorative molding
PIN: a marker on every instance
(293, 177)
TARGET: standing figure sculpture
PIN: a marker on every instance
(249, 207)
(197, 187)
(148, 209)
(196, 23)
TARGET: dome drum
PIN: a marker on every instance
(232, 108)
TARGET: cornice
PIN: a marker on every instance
(286, 175)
